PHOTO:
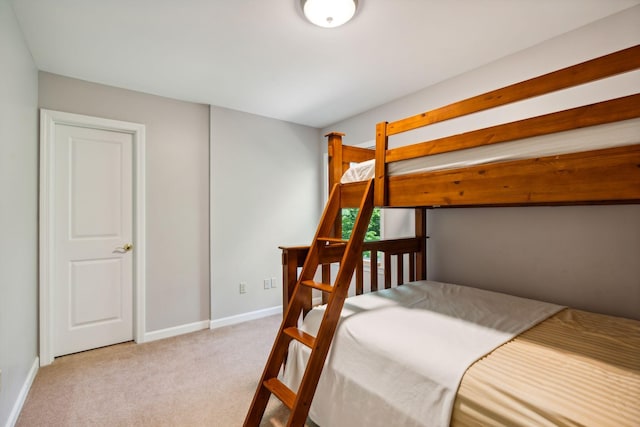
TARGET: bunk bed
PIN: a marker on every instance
(559, 366)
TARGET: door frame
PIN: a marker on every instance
(48, 121)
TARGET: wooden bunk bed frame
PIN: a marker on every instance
(609, 176)
(603, 176)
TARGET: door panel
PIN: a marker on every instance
(95, 292)
(93, 220)
(96, 173)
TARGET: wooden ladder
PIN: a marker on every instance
(300, 402)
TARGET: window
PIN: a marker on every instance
(349, 218)
(373, 232)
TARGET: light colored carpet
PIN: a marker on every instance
(206, 378)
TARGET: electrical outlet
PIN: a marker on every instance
(267, 283)
(243, 287)
(274, 282)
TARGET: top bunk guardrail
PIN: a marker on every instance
(584, 174)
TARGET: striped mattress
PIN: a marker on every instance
(574, 369)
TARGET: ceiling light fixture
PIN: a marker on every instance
(329, 13)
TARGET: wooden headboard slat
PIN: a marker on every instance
(357, 154)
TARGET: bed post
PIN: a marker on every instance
(380, 187)
(335, 157)
(336, 169)
(336, 166)
(292, 258)
(421, 234)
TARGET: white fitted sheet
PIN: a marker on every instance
(611, 135)
(399, 354)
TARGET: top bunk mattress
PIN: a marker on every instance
(610, 135)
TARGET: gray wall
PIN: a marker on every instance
(266, 180)
(18, 211)
(583, 256)
(177, 178)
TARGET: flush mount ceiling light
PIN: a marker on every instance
(329, 13)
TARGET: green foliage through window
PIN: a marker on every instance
(349, 219)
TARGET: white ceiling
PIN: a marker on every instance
(262, 57)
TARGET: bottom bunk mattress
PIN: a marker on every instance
(401, 356)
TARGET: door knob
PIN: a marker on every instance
(126, 247)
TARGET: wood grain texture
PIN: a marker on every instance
(301, 336)
(610, 175)
(356, 154)
(283, 392)
(350, 198)
(382, 144)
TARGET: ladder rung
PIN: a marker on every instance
(303, 337)
(281, 391)
(332, 240)
(322, 286)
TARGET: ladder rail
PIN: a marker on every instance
(279, 350)
(300, 402)
(331, 316)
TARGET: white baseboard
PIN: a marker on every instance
(213, 324)
(176, 330)
(24, 391)
(244, 317)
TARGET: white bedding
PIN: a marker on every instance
(592, 138)
(399, 354)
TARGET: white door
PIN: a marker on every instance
(92, 259)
